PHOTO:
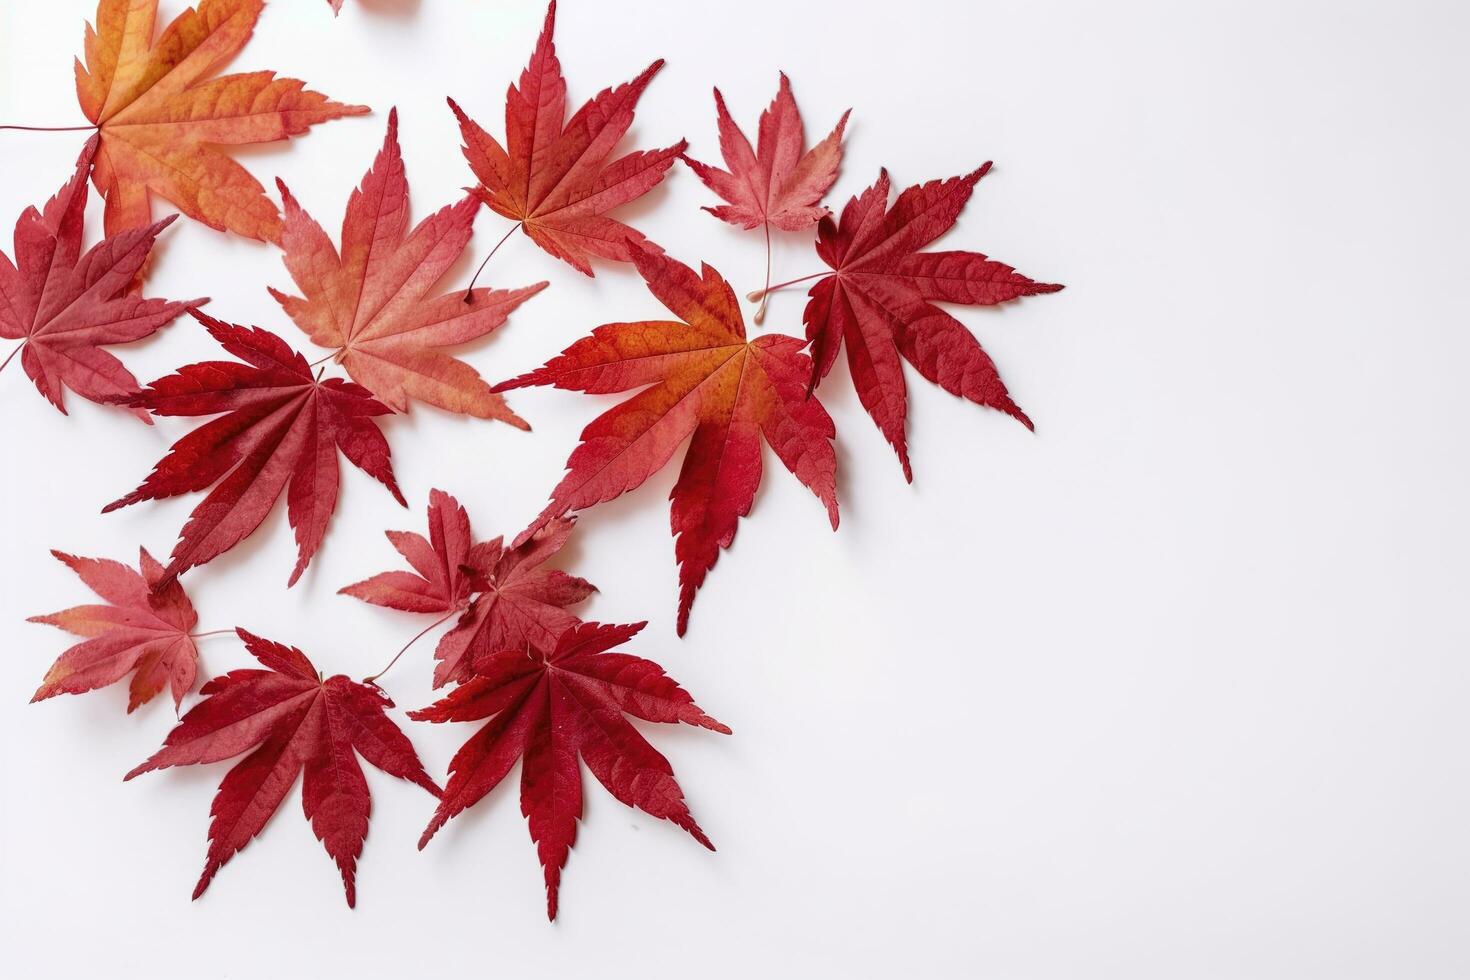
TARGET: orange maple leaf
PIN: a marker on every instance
(374, 301)
(162, 117)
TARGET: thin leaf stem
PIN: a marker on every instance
(374, 678)
(760, 313)
(11, 356)
(200, 636)
(469, 293)
(51, 129)
(759, 295)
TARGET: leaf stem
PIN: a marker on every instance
(51, 129)
(760, 313)
(11, 356)
(469, 293)
(761, 294)
(374, 678)
(322, 360)
(199, 636)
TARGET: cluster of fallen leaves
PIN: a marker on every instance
(548, 688)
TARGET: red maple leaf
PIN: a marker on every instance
(702, 378)
(550, 709)
(507, 598)
(279, 433)
(518, 602)
(779, 182)
(879, 301)
(63, 306)
(144, 628)
(295, 722)
(373, 303)
(440, 582)
(551, 178)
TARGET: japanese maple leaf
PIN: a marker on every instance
(291, 721)
(701, 378)
(879, 301)
(506, 598)
(279, 431)
(550, 709)
(552, 179)
(163, 116)
(144, 628)
(778, 183)
(63, 305)
(373, 304)
(441, 579)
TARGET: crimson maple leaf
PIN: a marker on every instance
(507, 599)
(778, 183)
(879, 301)
(548, 709)
(440, 582)
(518, 602)
(702, 378)
(295, 722)
(373, 303)
(63, 306)
(163, 118)
(280, 432)
(144, 628)
(552, 179)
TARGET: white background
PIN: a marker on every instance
(1175, 687)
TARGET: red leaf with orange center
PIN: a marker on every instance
(701, 377)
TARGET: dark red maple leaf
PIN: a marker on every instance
(552, 179)
(295, 722)
(550, 709)
(879, 302)
(702, 378)
(63, 306)
(519, 602)
(144, 628)
(280, 432)
(508, 599)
